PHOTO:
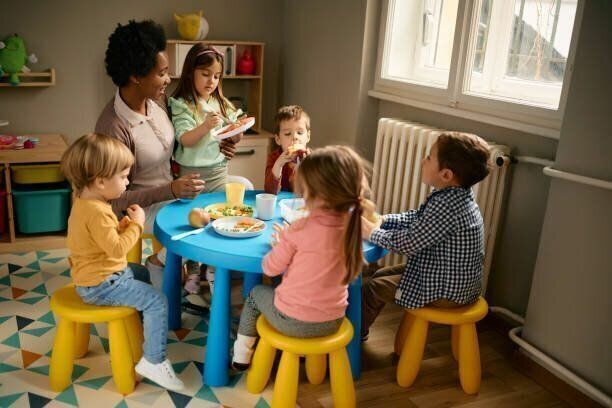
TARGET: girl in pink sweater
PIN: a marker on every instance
(318, 256)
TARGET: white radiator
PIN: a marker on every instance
(397, 186)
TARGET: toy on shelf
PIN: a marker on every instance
(192, 26)
(13, 57)
(246, 64)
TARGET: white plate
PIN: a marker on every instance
(221, 134)
(224, 226)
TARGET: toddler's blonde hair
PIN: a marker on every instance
(92, 156)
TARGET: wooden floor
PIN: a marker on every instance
(437, 384)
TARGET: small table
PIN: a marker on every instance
(227, 254)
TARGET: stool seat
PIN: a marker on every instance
(452, 316)
(315, 350)
(67, 303)
(72, 338)
(315, 345)
(412, 335)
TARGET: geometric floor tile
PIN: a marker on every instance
(27, 331)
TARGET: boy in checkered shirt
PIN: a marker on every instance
(443, 240)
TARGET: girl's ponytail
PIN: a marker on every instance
(353, 254)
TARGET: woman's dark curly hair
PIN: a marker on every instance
(132, 50)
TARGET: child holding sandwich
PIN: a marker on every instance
(292, 134)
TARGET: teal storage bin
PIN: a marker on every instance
(41, 208)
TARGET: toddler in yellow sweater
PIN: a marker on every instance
(97, 166)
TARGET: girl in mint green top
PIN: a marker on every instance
(197, 107)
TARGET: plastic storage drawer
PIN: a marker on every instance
(37, 173)
(41, 209)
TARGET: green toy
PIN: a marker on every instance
(13, 57)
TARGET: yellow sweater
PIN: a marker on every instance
(98, 244)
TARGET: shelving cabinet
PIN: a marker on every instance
(48, 151)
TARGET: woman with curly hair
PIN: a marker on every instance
(137, 115)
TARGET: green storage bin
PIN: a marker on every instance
(41, 209)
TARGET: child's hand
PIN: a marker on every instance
(283, 159)
(123, 224)
(212, 121)
(137, 214)
(279, 228)
(368, 226)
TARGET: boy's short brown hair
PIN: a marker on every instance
(466, 155)
(290, 112)
(92, 156)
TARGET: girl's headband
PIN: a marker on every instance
(211, 50)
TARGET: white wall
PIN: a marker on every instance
(570, 304)
(72, 35)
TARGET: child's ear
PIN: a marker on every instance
(277, 139)
(308, 136)
(98, 183)
(447, 175)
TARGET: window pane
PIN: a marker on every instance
(420, 41)
(519, 50)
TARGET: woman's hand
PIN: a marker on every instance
(228, 146)
(283, 159)
(187, 186)
(136, 214)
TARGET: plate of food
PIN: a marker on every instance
(220, 210)
(239, 227)
(233, 129)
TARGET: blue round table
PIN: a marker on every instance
(227, 254)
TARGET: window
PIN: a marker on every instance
(503, 59)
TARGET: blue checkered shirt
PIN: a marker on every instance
(444, 243)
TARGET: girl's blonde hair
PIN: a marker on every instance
(336, 175)
(92, 156)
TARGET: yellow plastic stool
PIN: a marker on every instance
(72, 338)
(315, 350)
(412, 335)
(135, 254)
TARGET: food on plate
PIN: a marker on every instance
(245, 226)
(198, 218)
(229, 211)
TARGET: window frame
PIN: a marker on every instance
(527, 117)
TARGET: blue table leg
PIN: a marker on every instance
(249, 281)
(171, 287)
(353, 312)
(216, 362)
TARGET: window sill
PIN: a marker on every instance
(547, 132)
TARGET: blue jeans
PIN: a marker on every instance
(130, 288)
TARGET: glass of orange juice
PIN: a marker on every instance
(234, 194)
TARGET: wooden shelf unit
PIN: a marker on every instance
(48, 150)
(177, 50)
(31, 79)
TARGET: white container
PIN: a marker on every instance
(293, 209)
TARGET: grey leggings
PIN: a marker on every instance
(261, 300)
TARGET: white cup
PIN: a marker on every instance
(265, 205)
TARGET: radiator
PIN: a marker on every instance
(397, 186)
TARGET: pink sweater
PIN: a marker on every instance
(309, 255)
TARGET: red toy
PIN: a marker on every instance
(246, 64)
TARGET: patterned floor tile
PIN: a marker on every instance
(27, 330)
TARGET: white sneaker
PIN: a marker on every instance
(162, 374)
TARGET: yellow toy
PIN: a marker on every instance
(191, 27)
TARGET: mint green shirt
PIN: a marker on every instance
(186, 117)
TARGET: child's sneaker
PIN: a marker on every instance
(210, 277)
(161, 374)
(243, 352)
